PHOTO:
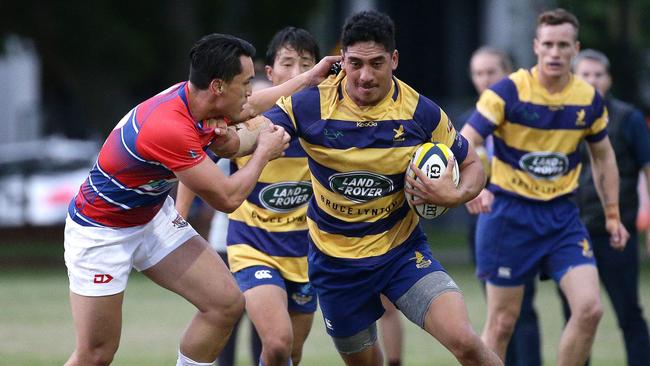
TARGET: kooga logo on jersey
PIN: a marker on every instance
(544, 164)
(285, 196)
(361, 186)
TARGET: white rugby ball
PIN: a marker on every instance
(432, 159)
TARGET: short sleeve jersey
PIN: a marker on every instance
(134, 171)
(537, 134)
(357, 157)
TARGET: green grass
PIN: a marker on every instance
(36, 326)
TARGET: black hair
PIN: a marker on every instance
(216, 56)
(368, 26)
(297, 39)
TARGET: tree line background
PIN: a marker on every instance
(99, 58)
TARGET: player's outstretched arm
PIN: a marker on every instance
(605, 174)
(226, 193)
(483, 202)
(264, 99)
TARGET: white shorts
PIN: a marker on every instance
(99, 259)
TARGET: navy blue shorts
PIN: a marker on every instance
(300, 295)
(521, 238)
(348, 290)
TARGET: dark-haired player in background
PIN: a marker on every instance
(267, 234)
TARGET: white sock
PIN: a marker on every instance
(186, 361)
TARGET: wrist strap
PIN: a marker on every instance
(612, 212)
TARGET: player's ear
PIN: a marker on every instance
(216, 86)
(268, 70)
(395, 59)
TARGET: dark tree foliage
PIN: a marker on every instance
(100, 58)
(620, 30)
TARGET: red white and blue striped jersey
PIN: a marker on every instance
(134, 171)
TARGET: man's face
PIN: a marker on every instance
(235, 93)
(369, 69)
(288, 63)
(485, 70)
(595, 74)
(555, 47)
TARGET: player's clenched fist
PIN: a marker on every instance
(272, 141)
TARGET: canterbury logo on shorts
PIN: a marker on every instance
(263, 273)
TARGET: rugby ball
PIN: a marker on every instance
(432, 159)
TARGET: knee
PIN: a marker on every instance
(278, 347)
(226, 308)
(234, 308)
(465, 345)
(97, 356)
(588, 314)
(503, 324)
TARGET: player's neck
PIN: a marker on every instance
(553, 84)
(198, 101)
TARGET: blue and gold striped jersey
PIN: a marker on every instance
(537, 134)
(270, 227)
(357, 158)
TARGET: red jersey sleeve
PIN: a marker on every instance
(174, 143)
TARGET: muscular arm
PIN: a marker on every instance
(605, 174)
(222, 193)
(443, 191)
(226, 193)
(239, 139)
(264, 99)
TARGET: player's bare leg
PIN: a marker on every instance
(370, 356)
(447, 320)
(266, 306)
(196, 272)
(581, 288)
(98, 323)
(391, 332)
(503, 306)
(301, 324)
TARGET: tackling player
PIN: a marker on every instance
(122, 217)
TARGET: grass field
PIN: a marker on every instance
(36, 326)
